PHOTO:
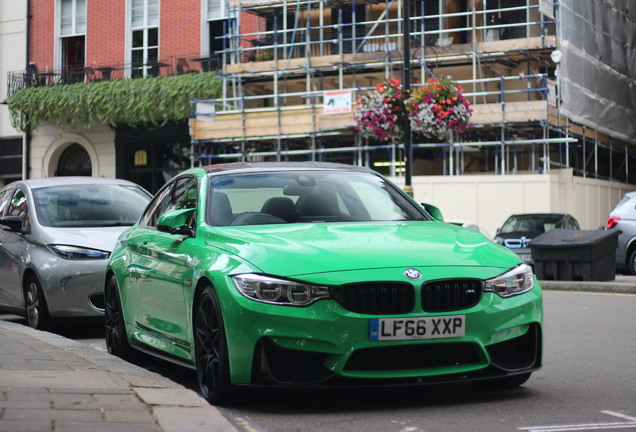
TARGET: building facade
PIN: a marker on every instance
(548, 98)
(80, 42)
(13, 30)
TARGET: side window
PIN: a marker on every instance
(18, 207)
(178, 195)
(156, 207)
(4, 200)
(185, 194)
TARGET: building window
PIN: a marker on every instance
(217, 29)
(74, 161)
(10, 160)
(144, 52)
(216, 9)
(72, 17)
(141, 158)
(72, 39)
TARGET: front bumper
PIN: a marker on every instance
(74, 288)
(275, 365)
(326, 345)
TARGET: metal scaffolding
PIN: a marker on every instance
(280, 58)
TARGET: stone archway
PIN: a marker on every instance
(74, 161)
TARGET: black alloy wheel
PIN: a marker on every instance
(211, 349)
(631, 264)
(35, 308)
(115, 328)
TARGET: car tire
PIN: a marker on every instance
(35, 307)
(507, 382)
(114, 325)
(211, 355)
(631, 264)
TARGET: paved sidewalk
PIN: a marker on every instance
(52, 384)
(622, 284)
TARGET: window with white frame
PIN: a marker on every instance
(217, 23)
(216, 9)
(144, 50)
(72, 31)
(72, 17)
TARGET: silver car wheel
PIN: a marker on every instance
(36, 311)
(32, 305)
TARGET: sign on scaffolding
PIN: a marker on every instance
(204, 111)
(552, 93)
(546, 7)
(337, 102)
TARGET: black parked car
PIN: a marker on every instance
(519, 229)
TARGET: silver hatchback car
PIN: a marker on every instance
(55, 239)
(623, 218)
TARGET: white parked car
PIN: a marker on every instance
(56, 235)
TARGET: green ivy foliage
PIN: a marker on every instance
(150, 102)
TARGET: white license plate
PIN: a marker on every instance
(417, 328)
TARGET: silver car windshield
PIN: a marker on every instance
(89, 205)
(306, 196)
(533, 223)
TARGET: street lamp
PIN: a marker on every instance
(406, 86)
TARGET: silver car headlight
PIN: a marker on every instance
(278, 291)
(514, 282)
(76, 252)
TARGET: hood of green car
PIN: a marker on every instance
(300, 249)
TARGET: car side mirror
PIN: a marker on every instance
(176, 222)
(433, 211)
(11, 223)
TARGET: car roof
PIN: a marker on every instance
(282, 166)
(70, 180)
(537, 214)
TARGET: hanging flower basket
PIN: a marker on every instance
(438, 109)
(435, 110)
(380, 113)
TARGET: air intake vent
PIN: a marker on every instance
(451, 294)
(406, 357)
(378, 298)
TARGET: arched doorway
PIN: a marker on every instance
(74, 161)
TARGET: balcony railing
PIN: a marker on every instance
(34, 76)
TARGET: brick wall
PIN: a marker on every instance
(105, 32)
(42, 25)
(180, 28)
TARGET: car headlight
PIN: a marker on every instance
(514, 282)
(279, 291)
(76, 252)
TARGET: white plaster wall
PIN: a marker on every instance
(490, 199)
(48, 143)
(12, 54)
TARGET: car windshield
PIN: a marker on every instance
(89, 205)
(306, 196)
(532, 223)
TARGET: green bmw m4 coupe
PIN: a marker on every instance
(317, 275)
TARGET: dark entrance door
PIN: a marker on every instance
(151, 157)
(73, 59)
